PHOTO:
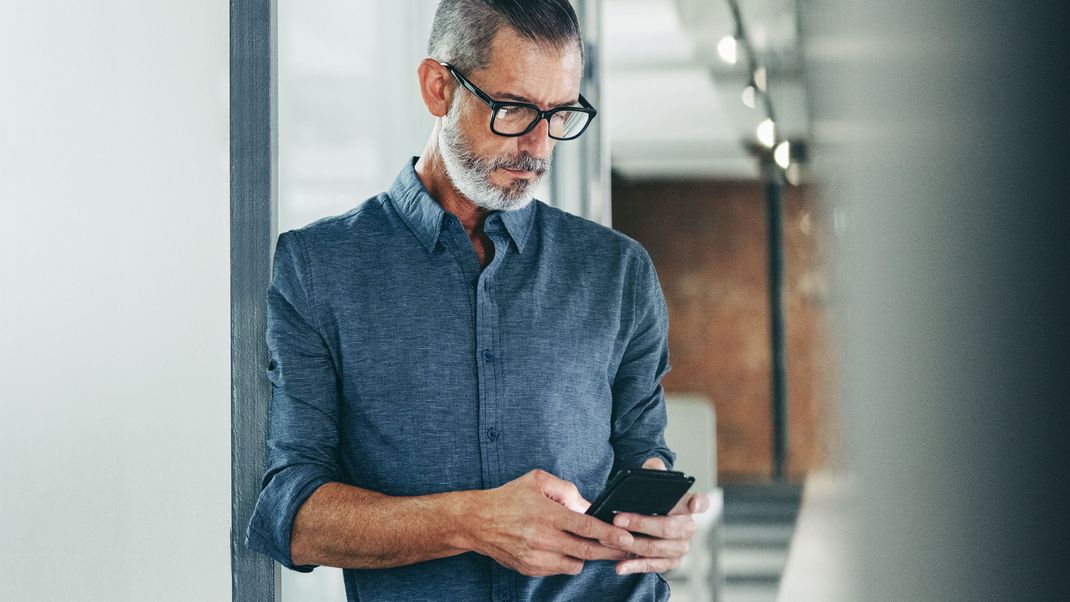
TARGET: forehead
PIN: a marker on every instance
(521, 69)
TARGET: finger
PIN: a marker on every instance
(587, 549)
(647, 565)
(544, 563)
(593, 528)
(561, 491)
(692, 503)
(683, 506)
(699, 503)
(680, 526)
(654, 547)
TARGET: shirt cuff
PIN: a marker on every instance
(271, 525)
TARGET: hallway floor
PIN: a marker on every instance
(758, 523)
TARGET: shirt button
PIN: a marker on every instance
(488, 356)
(492, 434)
(503, 595)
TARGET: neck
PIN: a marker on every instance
(432, 173)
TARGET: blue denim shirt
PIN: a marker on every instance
(399, 365)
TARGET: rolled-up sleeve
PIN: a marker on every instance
(303, 429)
(638, 399)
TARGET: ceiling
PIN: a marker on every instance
(674, 108)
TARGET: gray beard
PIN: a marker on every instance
(470, 173)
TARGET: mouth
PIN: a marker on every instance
(519, 173)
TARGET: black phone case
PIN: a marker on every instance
(642, 491)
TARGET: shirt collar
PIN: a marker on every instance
(426, 218)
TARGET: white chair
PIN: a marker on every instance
(691, 433)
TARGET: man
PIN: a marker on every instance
(456, 368)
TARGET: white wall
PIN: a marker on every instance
(350, 111)
(114, 307)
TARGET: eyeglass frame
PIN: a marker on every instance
(495, 105)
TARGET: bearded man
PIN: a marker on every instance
(457, 368)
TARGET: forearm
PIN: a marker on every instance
(349, 527)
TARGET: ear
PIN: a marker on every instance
(435, 86)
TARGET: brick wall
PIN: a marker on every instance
(708, 242)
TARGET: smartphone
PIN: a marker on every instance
(642, 491)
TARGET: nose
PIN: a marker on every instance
(538, 142)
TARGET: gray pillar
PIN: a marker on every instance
(773, 184)
(253, 202)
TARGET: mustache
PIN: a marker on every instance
(523, 162)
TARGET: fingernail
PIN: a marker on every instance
(622, 521)
(624, 570)
(626, 539)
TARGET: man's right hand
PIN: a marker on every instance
(535, 525)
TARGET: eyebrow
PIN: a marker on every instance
(514, 97)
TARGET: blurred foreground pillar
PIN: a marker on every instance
(943, 147)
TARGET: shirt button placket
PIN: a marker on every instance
(486, 325)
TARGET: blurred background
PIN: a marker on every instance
(857, 211)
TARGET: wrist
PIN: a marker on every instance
(461, 510)
(655, 462)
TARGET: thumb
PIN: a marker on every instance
(564, 493)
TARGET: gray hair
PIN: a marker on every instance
(463, 30)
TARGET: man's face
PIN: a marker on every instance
(500, 172)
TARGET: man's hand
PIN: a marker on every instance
(535, 525)
(669, 536)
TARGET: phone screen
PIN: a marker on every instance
(642, 491)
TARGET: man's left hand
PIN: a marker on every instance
(666, 538)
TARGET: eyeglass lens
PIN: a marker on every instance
(515, 119)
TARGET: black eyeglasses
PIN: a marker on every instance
(519, 118)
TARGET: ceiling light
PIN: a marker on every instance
(782, 154)
(750, 97)
(794, 176)
(767, 133)
(726, 48)
(759, 78)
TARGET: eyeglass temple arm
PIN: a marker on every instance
(469, 85)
